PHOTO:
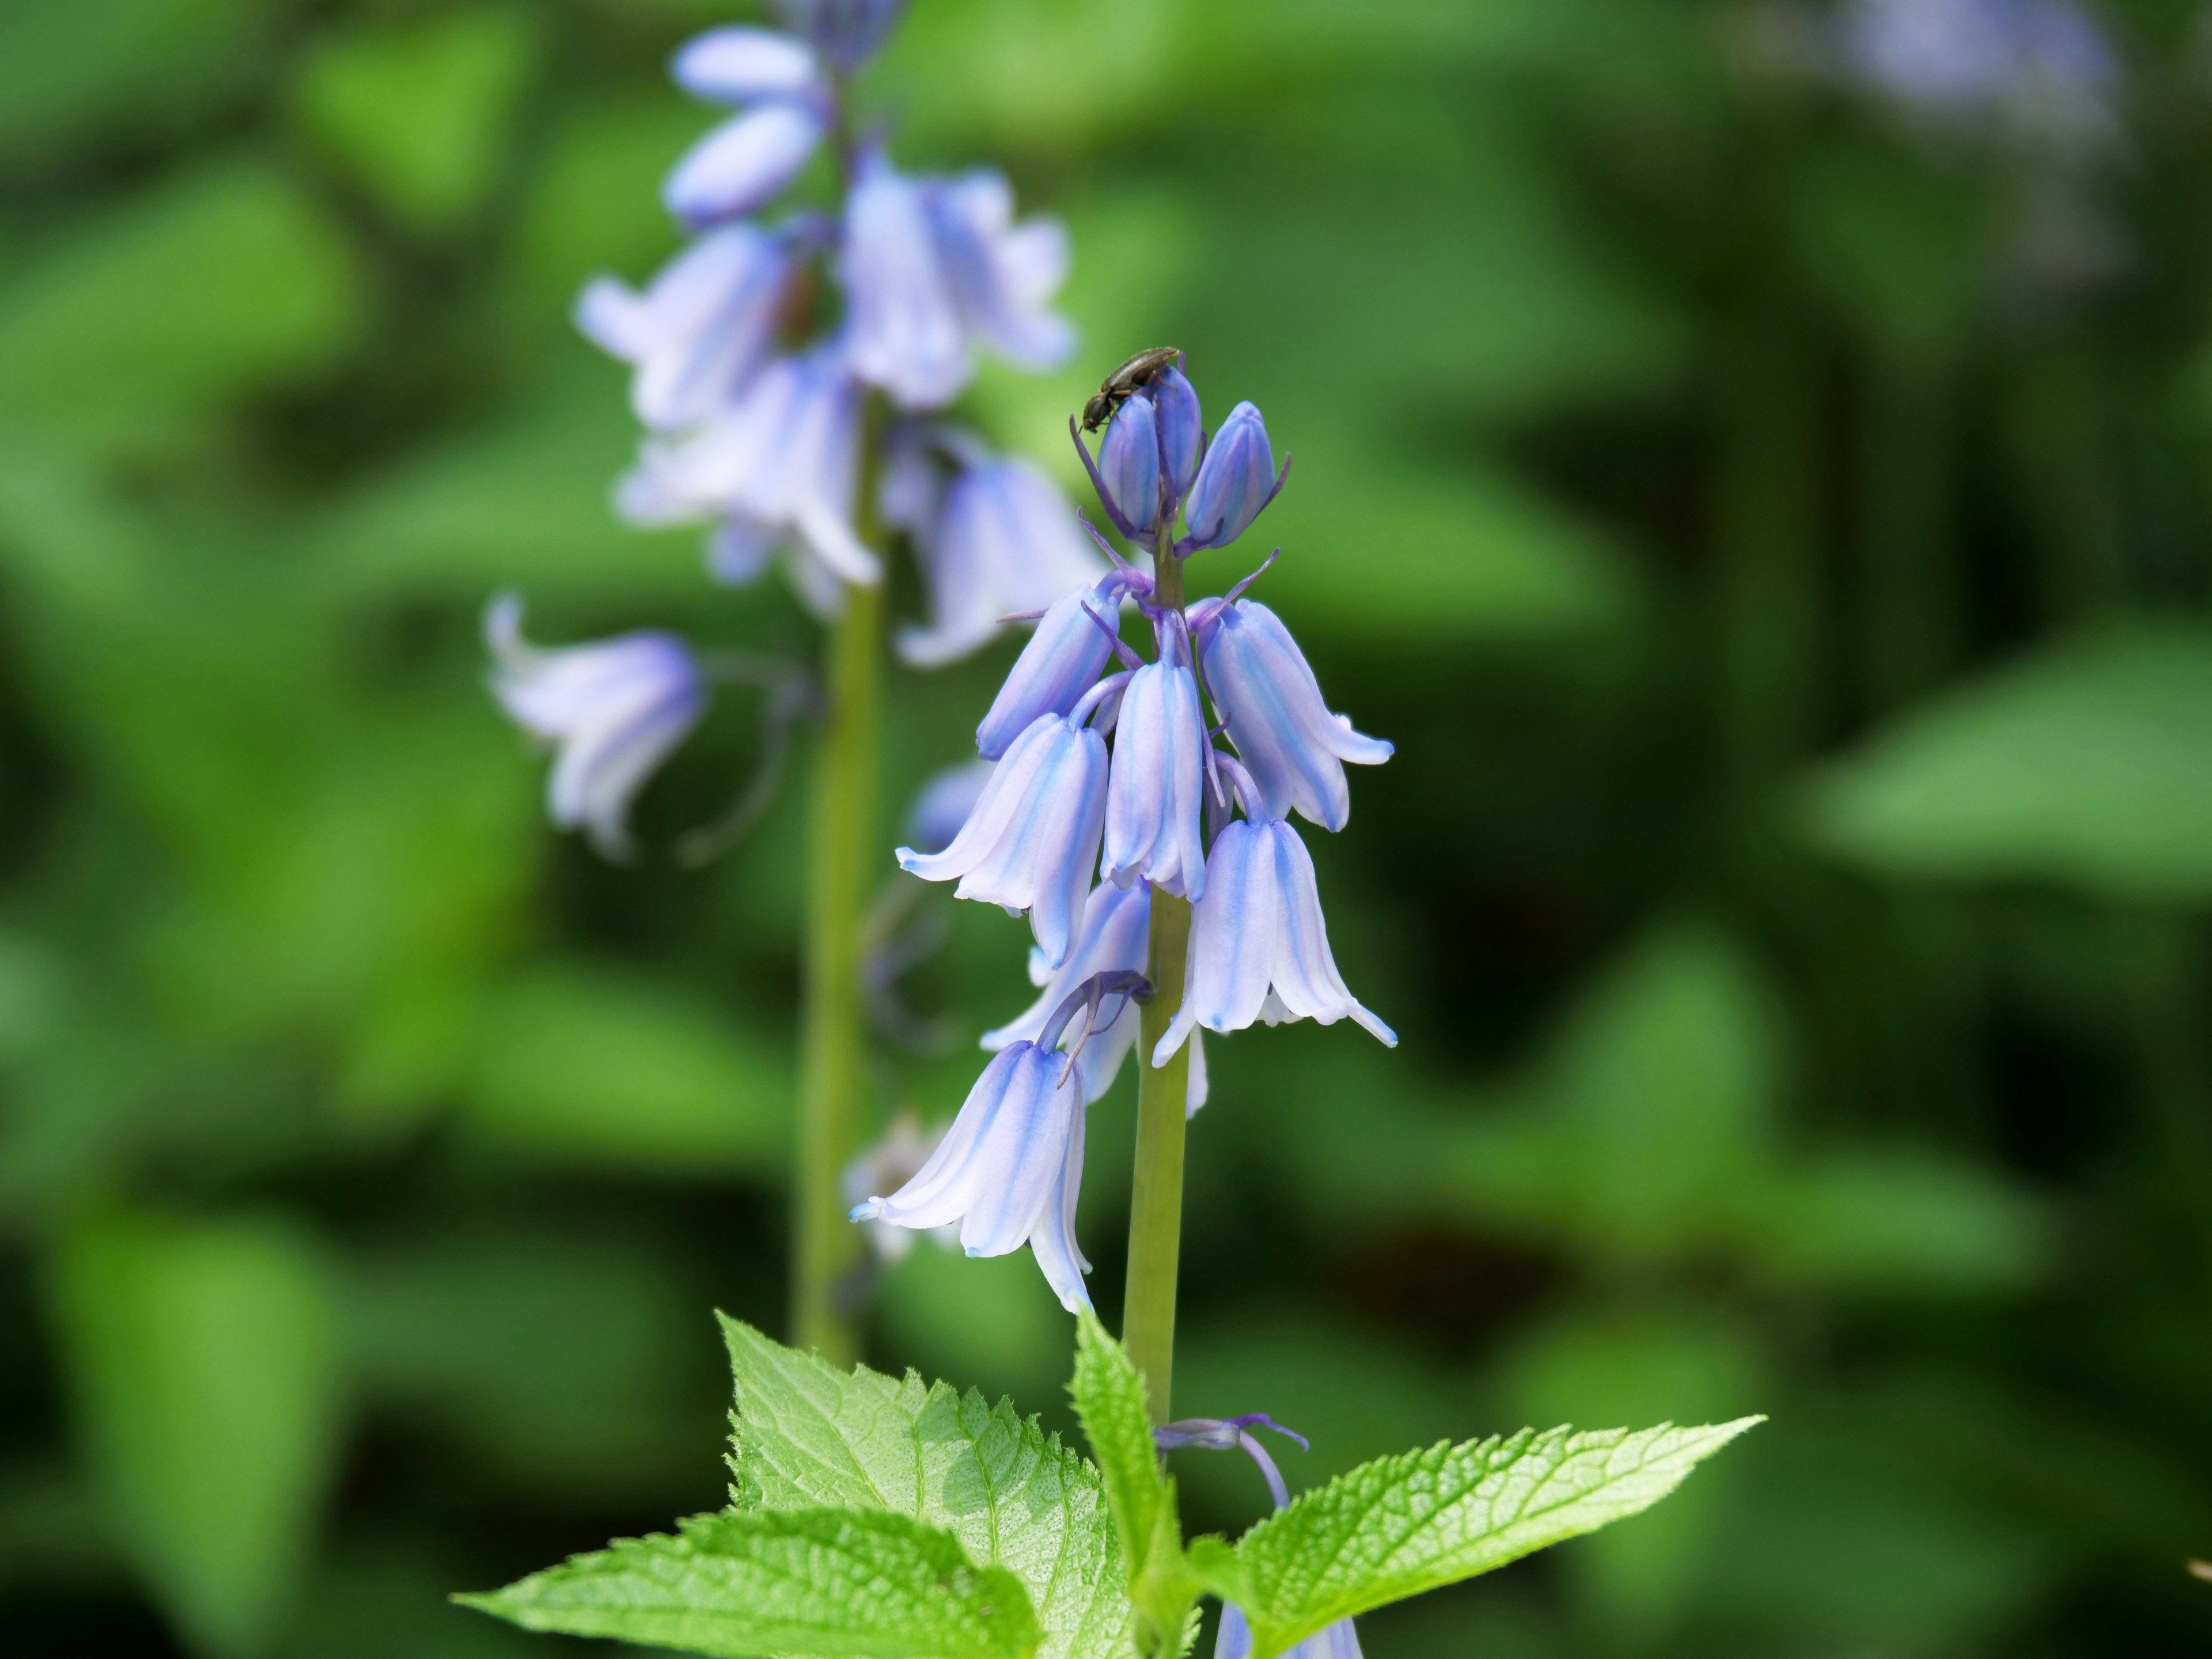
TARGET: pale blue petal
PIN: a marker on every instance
(743, 163)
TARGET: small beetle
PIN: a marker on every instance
(1140, 370)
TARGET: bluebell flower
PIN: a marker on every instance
(932, 268)
(1157, 794)
(1259, 948)
(1116, 923)
(1061, 662)
(1009, 1170)
(1181, 429)
(1004, 540)
(1129, 464)
(1033, 837)
(1291, 742)
(1233, 1640)
(617, 708)
(1236, 480)
(698, 333)
(846, 32)
(745, 162)
(776, 463)
(741, 65)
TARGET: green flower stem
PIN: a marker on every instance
(1148, 1311)
(846, 858)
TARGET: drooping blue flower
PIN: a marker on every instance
(846, 32)
(1009, 1170)
(1293, 746)
(1061, 661)
(1153, 807)
(1234, 1639)
(1033, 837)
(1236, 480)
(1116, 923)
(1129, 463)
(777, 463)
(617, 708)
(1003, 275)
(1259, 948)
(698, 334)
(745, 162)
(1004, 541)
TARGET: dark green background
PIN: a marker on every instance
(1788, 887)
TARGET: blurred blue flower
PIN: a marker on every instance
(1004, 275)
(1061, 661)
(1000, 539)
(617, 708)
(745, 163)
(1008, 1170)
(1158, 792)
(2038, 69)
(1117, 924)
(1033, 837)
(741, 65)
(1235, 481)
(1259, 948)
(846, 32)
(698, 334)
(1293, 746)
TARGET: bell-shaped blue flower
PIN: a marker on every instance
(1033, 837)
(1236, 479)
(1129, 465)
(741, 65)
(1293, 747)
(745, 163)
(1004, 541)
(904, 327)
(1003, 275)
(1182, 427)
(1008, 1170)
(1061, 661)
(1159, 789)
(1259, 948)
(616, 708)
(1116, 922)
(698, 334)
(846, 32)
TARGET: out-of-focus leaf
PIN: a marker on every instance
(63, 69)
(2089, 766)
(808, 1434)
(843, 1583)
(218, 282)
(1404, 1525)
(1898, 1221)
(594, 1065)
(1903, 248)
(205, 1371)
(993, 1319)
(419, 112)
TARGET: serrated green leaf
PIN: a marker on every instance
(837, 1584)
(1420, 1521)
(1110, 1401)
(806, 1434)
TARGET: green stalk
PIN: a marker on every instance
(1148, 1309)
(846, 858)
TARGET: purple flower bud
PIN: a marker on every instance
(1061, 661)
(904, 325)
(737, 65)
(699, 332)
(1174, 408)
(1031, 842)
(1259, 948)
(1236, 480)
(743, 163)
(1129, 465)
(1008, 1169)
(1294, 748)
(1007, 541)
(846, 32)
(617, 708)
(1158, 788)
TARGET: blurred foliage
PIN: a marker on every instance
(1778, 551)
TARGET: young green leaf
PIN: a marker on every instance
(1421, 1520)
(1109, 1400)
(806, 1434)
(833, 1584)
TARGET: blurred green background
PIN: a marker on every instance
(1781, 567)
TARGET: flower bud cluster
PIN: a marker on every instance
(1107, 771)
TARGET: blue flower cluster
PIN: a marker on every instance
(754, 415)
(1107, 770)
